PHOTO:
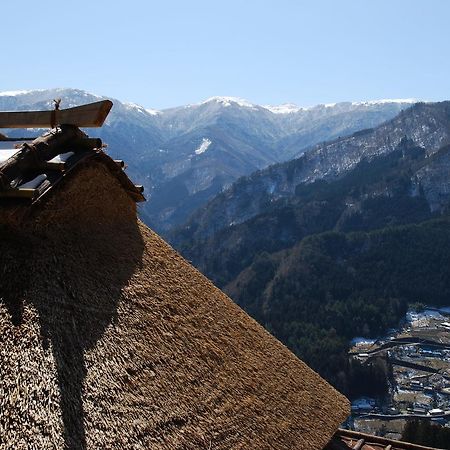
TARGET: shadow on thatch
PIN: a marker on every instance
(74, 280)
(14, 278)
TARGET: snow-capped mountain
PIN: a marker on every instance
(186, 155)
(425, 125)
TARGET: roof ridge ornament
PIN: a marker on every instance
(56, 103)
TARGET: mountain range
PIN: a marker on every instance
(239, 219)
(186, 155)
(337, 242)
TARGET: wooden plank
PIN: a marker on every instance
(19, 193)
(3, 138)
(59, 165)
(90, 115)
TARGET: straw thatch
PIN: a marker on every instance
(109, 339)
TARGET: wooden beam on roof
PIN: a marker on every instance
(90, 115)
(19, 193)
(31, 157)
(4, 138)
(56, 165)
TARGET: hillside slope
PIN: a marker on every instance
(404, 186)
(319, 294)
(425, 125)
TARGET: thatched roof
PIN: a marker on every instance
(110, 339)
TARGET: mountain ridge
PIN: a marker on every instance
(426, 124)
(161, 146)
(282, 108)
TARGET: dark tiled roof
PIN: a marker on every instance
(33, 169)
(346, 439)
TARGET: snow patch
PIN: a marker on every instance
(363, 403)
(87, 94)
(271, 188)
(62, 158)
(362, 341)
(35, 182)
(203, 146)
(385, 101)
(228, 101)
(422, 319)
(153, 112)
(7, 153)
(134, 106)
(13, 93)
(285, 108)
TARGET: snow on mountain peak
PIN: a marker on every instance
(285, 108)
(141, 109)
(228, 101)
(13, 93)
(386, 100)
(153, 112)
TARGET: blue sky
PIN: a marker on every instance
(168, 53)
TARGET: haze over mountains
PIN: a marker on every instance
(184, 156)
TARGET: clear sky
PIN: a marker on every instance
(171, 52)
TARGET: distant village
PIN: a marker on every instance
(418, 359)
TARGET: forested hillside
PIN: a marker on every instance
(385, 191)
(333, 286)
(340, 256)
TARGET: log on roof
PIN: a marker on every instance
(50, 158)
